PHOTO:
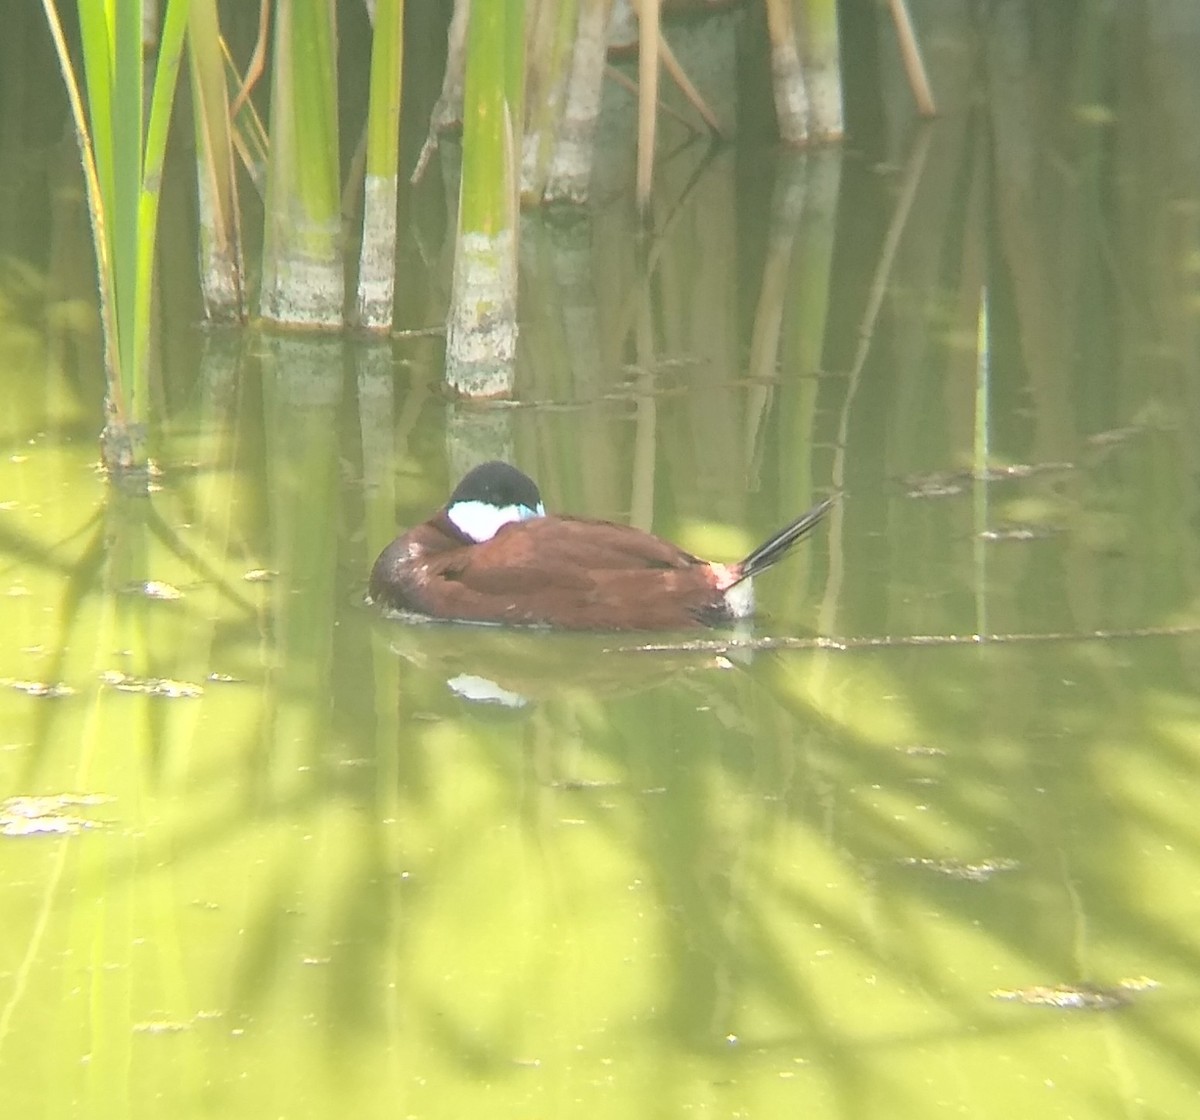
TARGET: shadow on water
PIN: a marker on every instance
(356, 860)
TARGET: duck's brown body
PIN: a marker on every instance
(565, 572)
(569, 573)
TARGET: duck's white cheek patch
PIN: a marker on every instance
(481, 521)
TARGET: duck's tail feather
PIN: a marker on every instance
(776, 547)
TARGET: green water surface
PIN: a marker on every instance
(262, 855)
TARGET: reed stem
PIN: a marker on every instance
(377, 255)
(302, 244)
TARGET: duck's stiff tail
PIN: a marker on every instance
(776, 547)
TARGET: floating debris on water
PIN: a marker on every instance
(38, 688)
(43, 814)
(1079, 997)
(1019, 533)
(152, 589)
(1114, 435)
(162, 1026)
(1020, 470)
(260, 575)
(151, 686)
(940, 484)
(943, 484)
(979, 872)
(573, 785)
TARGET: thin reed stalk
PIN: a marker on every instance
(981, 459)
(249, 135)
(649, 33)
(910, 53)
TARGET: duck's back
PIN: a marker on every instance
(566, 572)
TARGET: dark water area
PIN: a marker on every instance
(264, 852)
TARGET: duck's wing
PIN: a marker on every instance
(570, 573)
(563, 572)
(581, 544)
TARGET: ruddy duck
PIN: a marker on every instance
(493, 554)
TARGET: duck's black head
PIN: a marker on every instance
(492, 495)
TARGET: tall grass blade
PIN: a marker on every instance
(123, 154)
(166, 74)
(125, 125)
(95, 196)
